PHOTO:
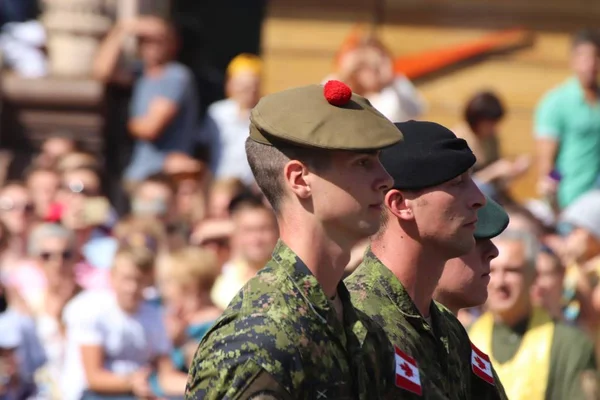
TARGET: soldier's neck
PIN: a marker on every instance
(417, 269)
(325, 258)
(447, 299)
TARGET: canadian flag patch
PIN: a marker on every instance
(481, 364)
(407, 373)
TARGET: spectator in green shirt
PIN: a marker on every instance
(567, 126)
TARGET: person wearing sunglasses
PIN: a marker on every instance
(49, 279)
(47, 286)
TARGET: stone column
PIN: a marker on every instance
(74, 29)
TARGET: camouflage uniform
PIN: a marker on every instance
(280, 338)
(441, 350)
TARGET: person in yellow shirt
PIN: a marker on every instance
(535, 357)
(254, 237)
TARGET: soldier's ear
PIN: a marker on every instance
(295, 175)
(398, 204)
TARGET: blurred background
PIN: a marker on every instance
(122, 161)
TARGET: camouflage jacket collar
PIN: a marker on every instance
(310, 288)
(396, 292)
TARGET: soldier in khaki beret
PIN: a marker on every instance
(290, 332)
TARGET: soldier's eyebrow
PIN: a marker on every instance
(355, 156)
(359, 154)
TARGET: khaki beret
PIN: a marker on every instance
(304, 116)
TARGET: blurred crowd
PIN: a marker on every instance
(95, 303)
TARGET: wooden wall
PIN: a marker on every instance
(552, 15)
(300, 39)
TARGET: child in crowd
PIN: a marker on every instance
(116, 339)
(186, 278)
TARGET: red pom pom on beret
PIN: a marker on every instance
(337, 93)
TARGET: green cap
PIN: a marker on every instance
(305, 117)
(492, 220)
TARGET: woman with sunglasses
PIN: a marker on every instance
(47, 286)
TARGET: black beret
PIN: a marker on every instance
(429, 155)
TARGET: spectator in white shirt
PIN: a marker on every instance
(227, 121)
(116, 340)
(367, 66)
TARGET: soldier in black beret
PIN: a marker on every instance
(430, 216)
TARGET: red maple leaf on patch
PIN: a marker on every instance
(407, 370)
(480, 363)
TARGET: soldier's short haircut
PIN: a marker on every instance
(267, 162)
(385, 214)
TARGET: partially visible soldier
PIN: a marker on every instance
(430, 217)
(288, 334)
(464, 281)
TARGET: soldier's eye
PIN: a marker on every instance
(365, 162)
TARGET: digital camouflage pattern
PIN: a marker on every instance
(442, 351)
(480, 389)
(280, 339)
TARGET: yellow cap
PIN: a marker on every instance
(245, 62)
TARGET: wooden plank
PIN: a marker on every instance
(410, 38)
(299, 51)
(554, 15)
(357, 10)
(55, 92)
(549, 15)
(286, 72)
(292, 35)
(521, 85)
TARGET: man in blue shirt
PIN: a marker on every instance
(164, 106)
